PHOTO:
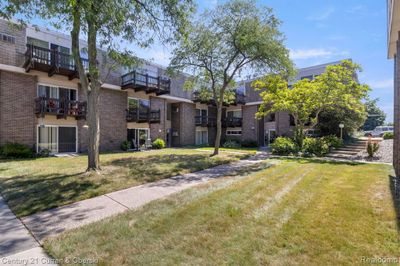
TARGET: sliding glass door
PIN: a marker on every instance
(138, 137)
(57, 139)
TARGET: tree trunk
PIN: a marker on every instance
(93, 95)
(93, 120)
(219, 129)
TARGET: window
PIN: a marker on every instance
(201, 137)
(38, 43)
(270, 118)
(201, 112)
(7, 38)
(56, 93)
(48, 138)
(234, 113)
(234, 132)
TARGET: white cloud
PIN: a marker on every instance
(381, 84)
(299, 54)
(322, 15)
(160, 57)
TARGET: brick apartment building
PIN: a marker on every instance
(393, 8)
(41, 104)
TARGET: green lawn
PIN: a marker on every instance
(34, 185)
(239, 149)
(296, 212)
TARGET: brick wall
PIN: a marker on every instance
(17, 108)
(283, 124)
(187, 124)
(12, 54)
(113, 129)
(396, 141)
(249, 124)
(158, 130)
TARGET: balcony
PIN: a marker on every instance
(51, 61)
(239, 99)
(59, 107)
(144, 82)
(232, 122)
(143, 116)
(205, 121)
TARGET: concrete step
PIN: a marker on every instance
(346, 149)
(353, 152)
(339, 156)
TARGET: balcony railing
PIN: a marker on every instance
(60, 107)
(144, 82)
(142, 116)
(240, 98)
(205, 121)
(232, 122)
(51, 61)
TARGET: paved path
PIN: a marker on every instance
(57, 220)
(17, 245)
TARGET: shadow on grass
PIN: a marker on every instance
(156, 167)
(395, 190)
(29, 194)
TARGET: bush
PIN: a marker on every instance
(158, 144)
(44, 153)
(284, 146)
(126, 145)
(372, 148)
(249, 143)
(333, 141)
(388, 135)
(16, 150)
(231, 144)
(315, 146)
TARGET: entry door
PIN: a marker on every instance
(66, 139)
(132, 137)
(143, 135)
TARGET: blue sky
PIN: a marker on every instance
(324, 31)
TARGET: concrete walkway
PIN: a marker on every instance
(55, 221)
(17, 245)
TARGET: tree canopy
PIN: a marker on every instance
(305, 99)
(376, 117)
(236, 38)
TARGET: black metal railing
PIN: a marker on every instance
(232, 122)
(60, 107)
(140, 81)
(140, 115)
(240, 98)
(51, 61)
(205, 121)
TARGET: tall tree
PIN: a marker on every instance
(105, 24)
(234, 38)
(376, 117)
(336, 88)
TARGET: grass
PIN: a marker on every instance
(298, 212)
(238, 149)
(34, 185)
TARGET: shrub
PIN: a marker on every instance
(249, 143)
(372, 148)
(125, 145)
(333, 141)
(44, 153)
(16, 150)
(284, 146)
(231, 144)
(315, 146)
(158, 144)
(388, 135)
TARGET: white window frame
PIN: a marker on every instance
(230, 132)
(58, 141)
(58, 88)
(235, 110)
